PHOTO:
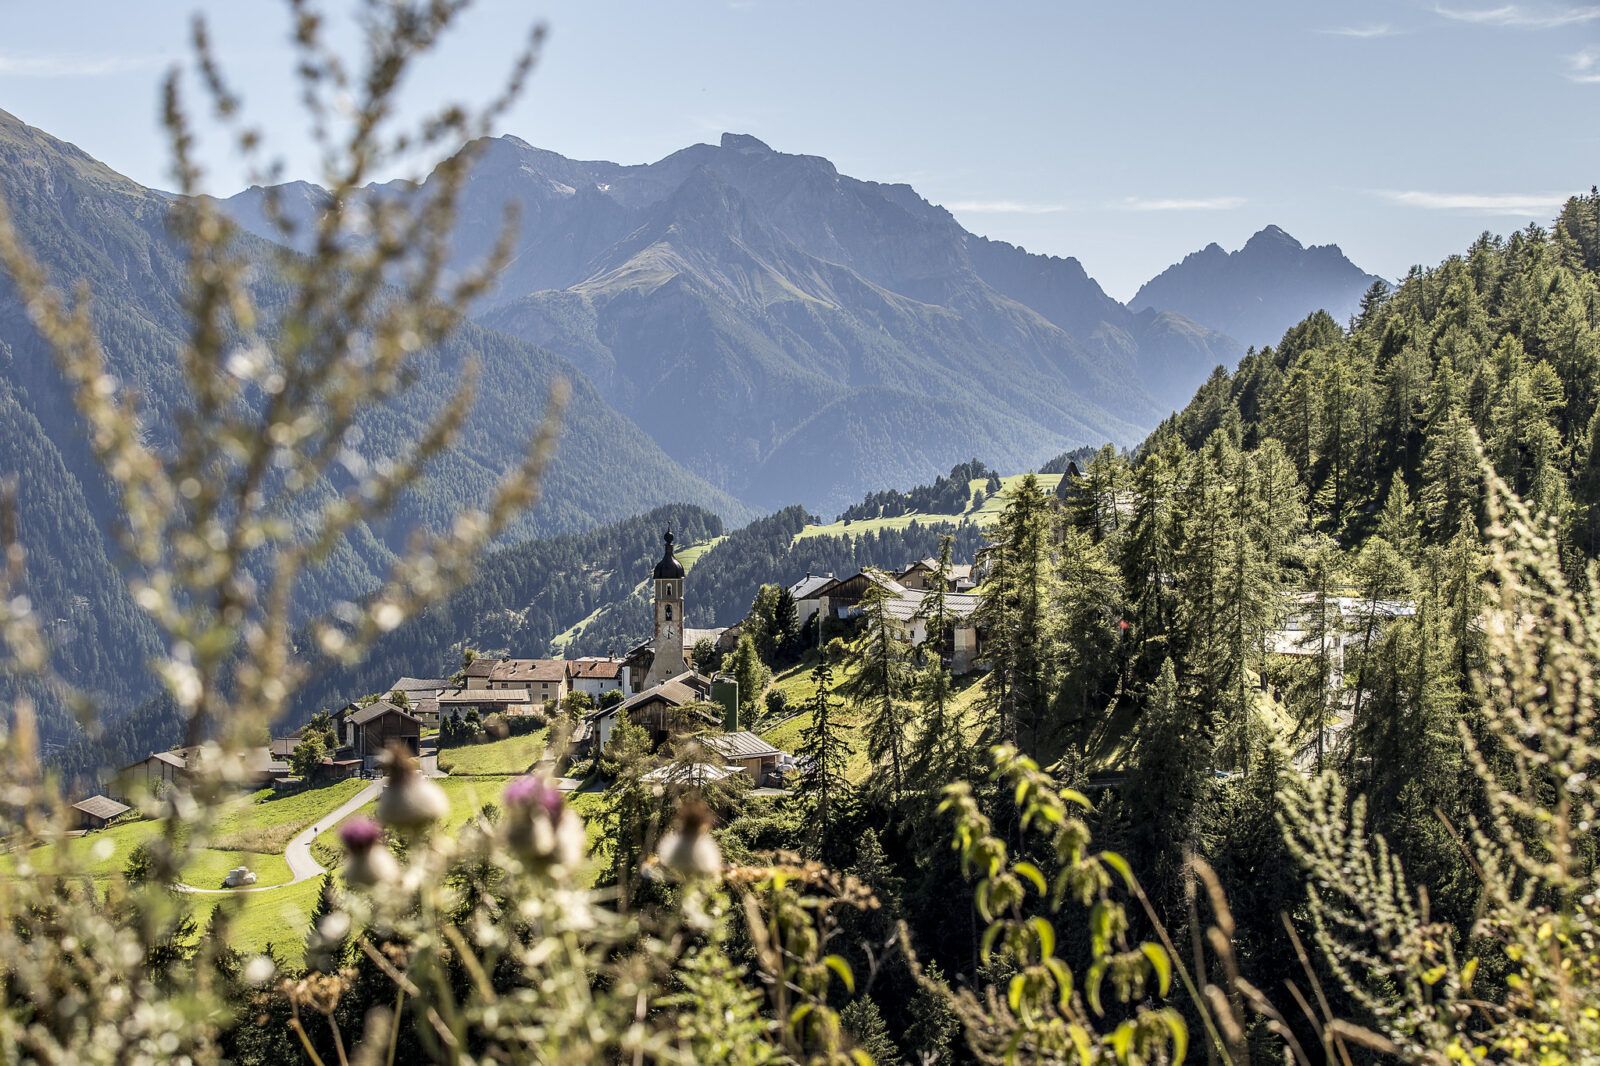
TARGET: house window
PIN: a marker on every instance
(669, 588)
(669, 612)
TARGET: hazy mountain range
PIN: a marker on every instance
(792, 333)
(1255, 294)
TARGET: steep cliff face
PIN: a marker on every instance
(1255, 294)
(789, 332)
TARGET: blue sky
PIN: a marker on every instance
(1126, 134)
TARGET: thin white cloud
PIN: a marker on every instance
(1494, 203)
(73, 64)
(1206, 203)
(1004, 207)
(1585, 67)
(1520, 17)
(1365, 32)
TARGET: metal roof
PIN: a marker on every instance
(101, 807)
(741, 745)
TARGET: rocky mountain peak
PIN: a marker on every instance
(743, 142)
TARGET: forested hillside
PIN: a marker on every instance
(1132, 625)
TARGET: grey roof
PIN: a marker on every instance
(409, 685)
(377, 710)
(807, 587)
(101, 807)
(699, 773)
(469, 696)
(907, 604)
(741, 745)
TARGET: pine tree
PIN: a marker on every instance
(1015, 615)
(786, 623)
(1088, 610)
(751, 674)
(877, 673)
(1452, 474)
(823, 755)
(1173, 756)
(938, 744)
(864, 1023)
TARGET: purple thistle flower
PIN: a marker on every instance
(360, 833)
(535, 793)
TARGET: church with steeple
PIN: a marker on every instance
(669, 620)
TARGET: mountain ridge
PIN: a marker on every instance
(762, 288)
(1260, 291)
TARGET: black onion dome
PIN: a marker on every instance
(669, 565)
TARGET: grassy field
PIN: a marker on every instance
(513, 755)
(267, 822)
(253, 832)
(796, 683)
(983, 516)
(256, 919)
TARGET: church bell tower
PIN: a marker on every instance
(668, 661)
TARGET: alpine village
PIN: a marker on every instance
(480, 606)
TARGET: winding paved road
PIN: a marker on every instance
(302, 866)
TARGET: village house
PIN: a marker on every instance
(840, 600)
(368, 731)
(746, 751)
(160, 770)
(545, 680)
(153, 774)
(919, 575)
(804, 592)
(595, 675)
(97, 812)
(422, 697)
(456, 701)
(659, 709)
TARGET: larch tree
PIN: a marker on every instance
(877, 674)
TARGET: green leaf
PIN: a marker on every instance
(1180, 1034)
(1119, 864)
(842, 968)
(1163, 965)
(1080, 1040)
(1014, 992)
(861, 1057)
(1046, 934)
(1077, 797)
(1121, 1040)
(1063, 978)
(1091, 985)
(987, 945)
(1434, 975)
(1468, 972)
(1031, 872)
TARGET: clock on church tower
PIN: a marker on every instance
(668, 661)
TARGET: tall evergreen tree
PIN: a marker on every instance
(823, 754)
(1015, 615)
(877, 672)
(939, 744)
